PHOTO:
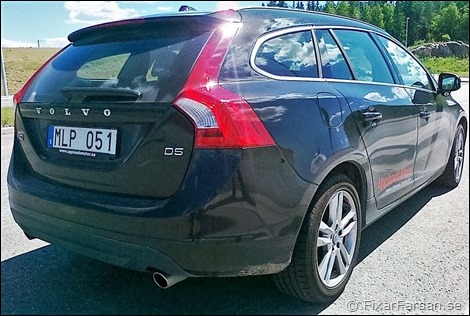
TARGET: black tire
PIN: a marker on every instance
(302, 278)
(454, 168)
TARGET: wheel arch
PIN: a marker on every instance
(463, 121)
(359, 178)
(287, 280)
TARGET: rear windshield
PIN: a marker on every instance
(121, 69)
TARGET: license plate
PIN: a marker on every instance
(82, 141)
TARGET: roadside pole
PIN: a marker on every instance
(4, 76)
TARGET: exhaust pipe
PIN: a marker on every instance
(164, 281)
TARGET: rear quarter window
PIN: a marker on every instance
(288, 55)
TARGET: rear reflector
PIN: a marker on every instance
(222, 119)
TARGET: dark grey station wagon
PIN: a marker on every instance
(232, 143)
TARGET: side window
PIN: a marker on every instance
(333, 62)
(288, 55)
(410, 70)
(366, 60)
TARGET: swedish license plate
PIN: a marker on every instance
(82, 141)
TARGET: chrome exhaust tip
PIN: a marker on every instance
(163, 281)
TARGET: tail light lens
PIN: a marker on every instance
(222, 119)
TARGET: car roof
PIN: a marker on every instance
(251, 14)
(280, 17)
(297, 17)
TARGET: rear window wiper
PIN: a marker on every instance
(87, 94)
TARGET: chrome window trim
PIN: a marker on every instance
(377, 83)
(310, 27)
(292, 29)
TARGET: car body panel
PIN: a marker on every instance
(391, 151)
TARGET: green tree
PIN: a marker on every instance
(447, 22)
(366, 14)
(343, 8)
(427, 20)
(354, 9)
(464, 23)
(422, 13)
(399, 22)
(388, 11)
(330, 7)
(377, 17)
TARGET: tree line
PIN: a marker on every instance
(414, 22)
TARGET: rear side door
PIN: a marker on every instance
(433, 128)
(383, 111)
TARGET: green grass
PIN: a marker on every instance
(22, 63)
(8, 117)
(436, 65)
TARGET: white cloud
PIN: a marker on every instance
(141, 2)
(225, 5)
(164, 9)
(48, 42)
(94, 12)
(11, 43)
(54, 42)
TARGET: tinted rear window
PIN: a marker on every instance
(152, 68)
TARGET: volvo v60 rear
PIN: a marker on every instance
(232, 143)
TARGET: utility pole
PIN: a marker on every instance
(406, 33)
(4, 76)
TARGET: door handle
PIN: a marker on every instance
(372, 116)
(424, 114)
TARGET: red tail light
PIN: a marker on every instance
(222, 119)
(19, 95)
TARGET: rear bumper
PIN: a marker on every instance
(246, 224)
(93, 243)
(185, 258)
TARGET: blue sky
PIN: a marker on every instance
(24, 23)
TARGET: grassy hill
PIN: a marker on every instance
(21, 63)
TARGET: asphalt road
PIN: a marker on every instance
(415, 260)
